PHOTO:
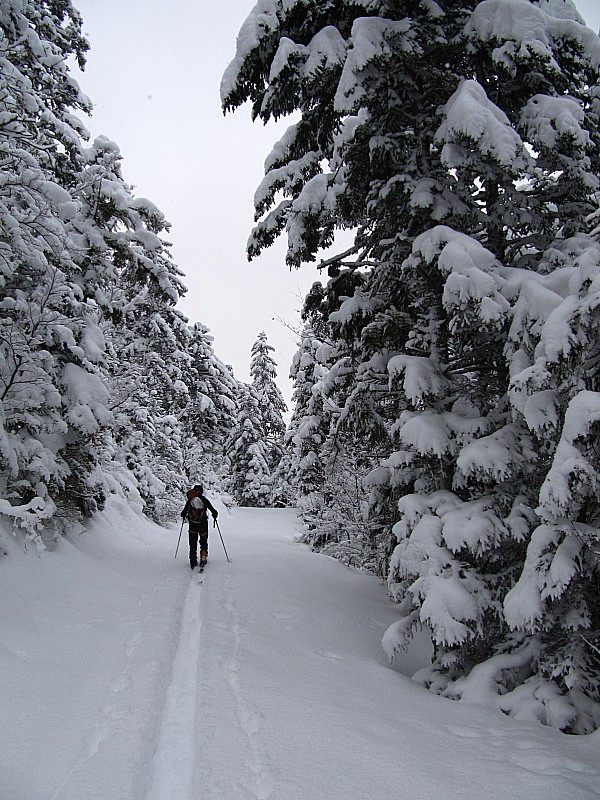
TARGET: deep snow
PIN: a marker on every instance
(125, 678)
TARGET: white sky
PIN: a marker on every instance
(153, 74)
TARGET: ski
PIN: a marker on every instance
(198, 571)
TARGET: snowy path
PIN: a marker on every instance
(129, 680)
(296, 700)
(172, 765)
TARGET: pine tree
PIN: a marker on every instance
(463, 149)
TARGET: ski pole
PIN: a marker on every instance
(178, 540)
(222, 542)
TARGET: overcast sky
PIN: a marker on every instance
(153, 74)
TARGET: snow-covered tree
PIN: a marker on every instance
(136, 287)
(93, 352)
(251, 481)
(461, 143)
(210, 415)
(263, 371)
(310, 422)
(53, 403)
(256, 445)
(335, 438)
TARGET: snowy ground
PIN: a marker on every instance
(123, 677)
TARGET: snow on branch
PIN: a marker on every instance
(469, 114)
(572, 477)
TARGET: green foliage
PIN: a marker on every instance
(462, 150)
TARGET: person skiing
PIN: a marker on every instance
(196, 512)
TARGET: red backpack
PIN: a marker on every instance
(196, 511)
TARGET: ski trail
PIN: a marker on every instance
(260, 780)
(172, 765)
(233, 762)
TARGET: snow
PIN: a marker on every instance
(461, 254)
(87, 399)
(92, 341)
(548, 118)
(469, 525)
(261, 21)
(540, 410)
(497, 455)
(546, 574)
(124, 678)
(432, 432)
(281, 177)
(313, 195)
(470, 114)
(326, 49)
(287, 49)
(528, 28)
(570, 468)
(426, 432)
(447, 600)
(370, 38)
(523, 603)
(421, 376)
(359, 305)
(582, 413)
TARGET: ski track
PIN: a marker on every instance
(207, 734)
(172, 766)
(260, 781)
(232, 762)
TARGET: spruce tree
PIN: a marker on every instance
(263, 371)
(461, 143)
(210, 415)
(251, 481)
(53, 402)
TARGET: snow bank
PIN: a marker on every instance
(83, 642)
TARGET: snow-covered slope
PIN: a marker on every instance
(125, 678)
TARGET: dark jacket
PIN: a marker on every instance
(201, 523)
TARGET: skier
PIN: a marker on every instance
(196, 512)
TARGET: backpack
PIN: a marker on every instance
(197, 507)
(195, 491)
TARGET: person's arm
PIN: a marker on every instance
(185, 508)
(210, 507)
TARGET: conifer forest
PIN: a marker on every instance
(444, 432)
